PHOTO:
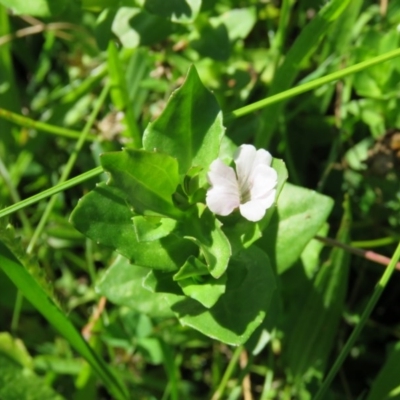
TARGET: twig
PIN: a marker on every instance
(367, 254)
(87, 330)
(246, 383)
(35, 29)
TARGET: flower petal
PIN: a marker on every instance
(220, 202)
(265, 180)
(263, 157)
(253, 210)
(244, 159)
(222, 175)
(223, 197)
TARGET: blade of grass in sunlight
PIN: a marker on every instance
(302, 48)
(50, 192)
(69, 166)
(44, 303)
(41, 126)
(306, 87)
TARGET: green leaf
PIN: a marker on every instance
(37, 8)
(17, 379)
(135, 27)
(238, 22)
(148, 180)
(176, 10)
(203, 229)
(212, 41)
(206, 290)
(193, 267)
(15, 350)
(190, 127)
(244, 305)
(193, 280)
(148, 229)
(387, 383)
(103, 216)
(310, 338)
(122, 285)
(16, 265)
(300, 214)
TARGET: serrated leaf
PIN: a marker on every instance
(148, 180)
(203, 229)
(190, 127)
(300, 214)
(104, 216)
(243, 306)
(122, 285)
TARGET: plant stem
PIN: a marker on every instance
(42, 126)
(306, 87)
(51, 191)
(374, 242)
(228, 373)
(380, 286)
(367, 254)
(69, 166)
(15, 198)
(17, 311)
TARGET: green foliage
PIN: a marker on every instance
(148, 180)
(155, 288)
(244, 305)
(300, 215)
(387, 382)
(23, 276)
(17, 380)
(38, 8)
(190, 127)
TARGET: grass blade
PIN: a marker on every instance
(25, 275)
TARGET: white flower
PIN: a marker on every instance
(252, 188)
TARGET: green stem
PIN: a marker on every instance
(380, 286)
(42, 126)
(69, 166)
(306, 87)
(89, 261)
(15, 198)
(374, 243)
(17, 311)
(51, 191)
(228, 373)
(280, 36)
